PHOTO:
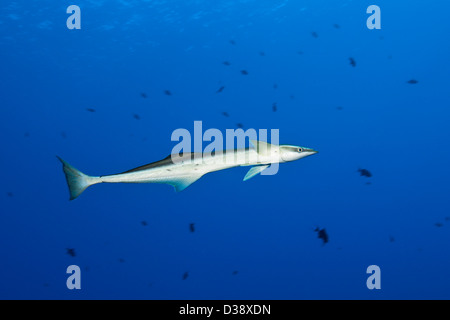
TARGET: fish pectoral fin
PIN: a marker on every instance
(183, 182)
(254, 171)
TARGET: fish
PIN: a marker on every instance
(274, 107)
(225, 114)
(226, 63)
(365, 173)
(71, 252)
(167, 92)
(244, 72)
(412, 81)
(239, 125)
(136, 116)
(143, 95)
(185, 275)
(90, 109)
(192, 227)
(182, 170)
(352, 62)
(322, 234)
(314, 34)
(220, 89)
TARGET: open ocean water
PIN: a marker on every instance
(107, 97)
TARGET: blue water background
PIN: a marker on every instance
(253, 239)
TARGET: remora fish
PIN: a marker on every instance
(183, 170)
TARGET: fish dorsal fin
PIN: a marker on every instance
(165, 161)
(263, 147)
(254, 171)
(182, 183)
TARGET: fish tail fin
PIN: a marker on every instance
(76, 180)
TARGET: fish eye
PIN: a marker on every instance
(300, 150)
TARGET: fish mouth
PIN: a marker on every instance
(310, 151)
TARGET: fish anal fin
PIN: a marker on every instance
(182, 183)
